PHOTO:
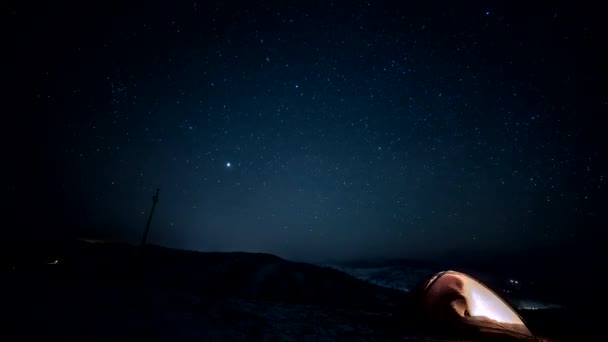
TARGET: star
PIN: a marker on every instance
(228, 164)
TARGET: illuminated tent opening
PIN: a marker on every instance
(457, 305)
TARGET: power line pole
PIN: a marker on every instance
(154, 201)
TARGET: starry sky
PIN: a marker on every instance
(311, 130)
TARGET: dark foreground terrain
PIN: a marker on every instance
(101, 291)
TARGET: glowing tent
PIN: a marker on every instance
(454, 304)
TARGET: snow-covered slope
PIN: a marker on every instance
(402, 278)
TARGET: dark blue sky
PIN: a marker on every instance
(352, 129)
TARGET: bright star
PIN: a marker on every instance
(228, 164)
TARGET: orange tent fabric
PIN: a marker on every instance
(459, 305)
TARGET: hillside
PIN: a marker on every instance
(96, 290)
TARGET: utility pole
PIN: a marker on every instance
(154, 201)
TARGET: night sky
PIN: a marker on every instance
(316, 130)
